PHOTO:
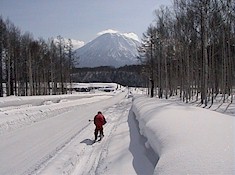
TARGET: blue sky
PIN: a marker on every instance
(80, 19)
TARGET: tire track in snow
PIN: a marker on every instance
(65, 161)
(46, 159)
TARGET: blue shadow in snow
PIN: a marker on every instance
(144, 159)
(87, 141)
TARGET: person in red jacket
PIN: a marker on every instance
(99, 121)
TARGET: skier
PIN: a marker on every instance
(99, 121)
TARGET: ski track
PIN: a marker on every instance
(82, 157)
(48, 158)
(67, 165)
(95, 162)
(121, 110)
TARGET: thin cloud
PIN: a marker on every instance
(129, 35)
(107, 31)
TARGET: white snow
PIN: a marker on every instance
(51, 135)
(187, 139)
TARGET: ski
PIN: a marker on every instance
(101, 137)
(99, 140)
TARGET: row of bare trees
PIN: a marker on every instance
(33, 67)
(190, 50)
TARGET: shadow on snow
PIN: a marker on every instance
(144, 159)
(88, 141)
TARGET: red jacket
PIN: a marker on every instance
(99, 121)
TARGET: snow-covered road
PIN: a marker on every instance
(57, 139)
(52, 135)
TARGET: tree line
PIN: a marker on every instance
(190, 50)
(33, 67)
(129, 75)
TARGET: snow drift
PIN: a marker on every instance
(188, 140)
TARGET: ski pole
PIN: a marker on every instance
(90, 120)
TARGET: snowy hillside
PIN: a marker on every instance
(48, 135)
(109, 49)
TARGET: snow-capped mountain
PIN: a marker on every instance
(109, 49)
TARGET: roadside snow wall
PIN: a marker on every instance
(188, 140)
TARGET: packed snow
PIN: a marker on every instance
(48, 135)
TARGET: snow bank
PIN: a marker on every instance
(16, 112)
(11, 101)
(187, 139)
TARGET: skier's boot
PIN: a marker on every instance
(101, 134)
(96, 134)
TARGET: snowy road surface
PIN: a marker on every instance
(51, 135)
(61, 142)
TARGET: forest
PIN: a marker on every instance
(33, 67)
(189, 50)
(129, 75)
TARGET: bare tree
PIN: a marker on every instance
(196, 42)
(2, 33)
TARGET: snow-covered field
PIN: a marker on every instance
(51, 135)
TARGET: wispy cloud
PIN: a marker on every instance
(129, 35)
(107, 31)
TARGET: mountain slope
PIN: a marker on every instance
(109, 49)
